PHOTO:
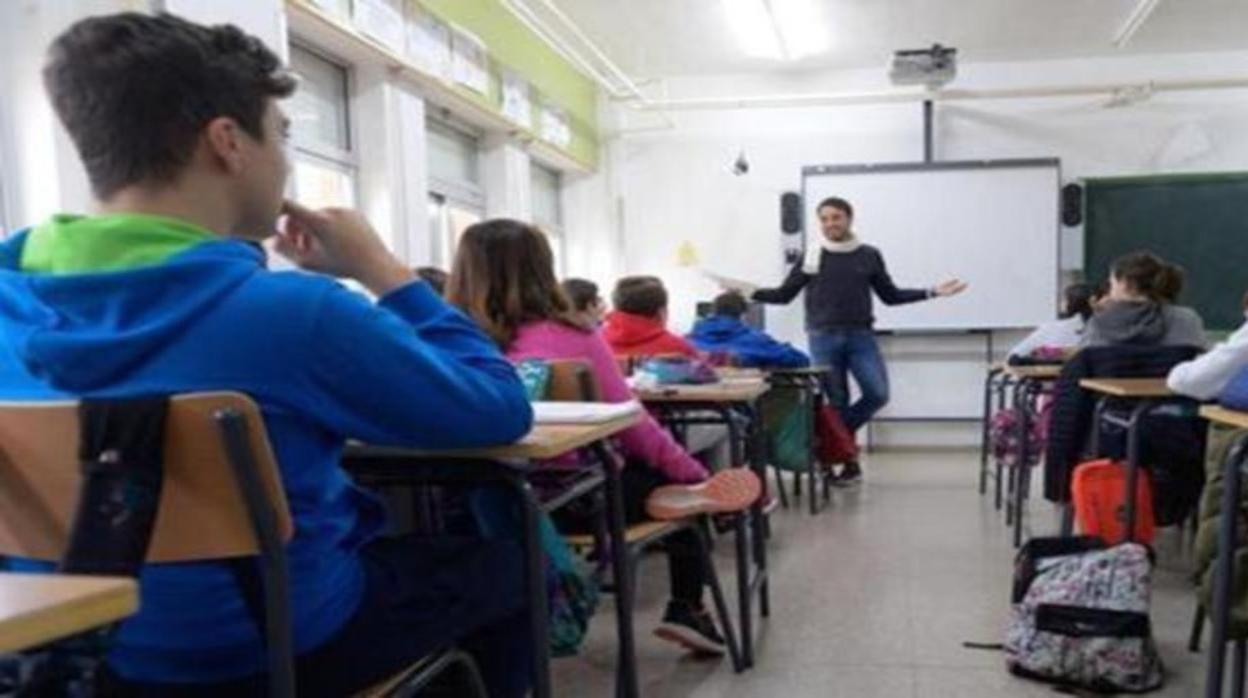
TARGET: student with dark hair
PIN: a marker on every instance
(504, 278)
(638, 324)
(164, 291)
(1066, 332)
(725, 332)
(435, 277)
(1140, 308)
(839, 274)
(583, 294)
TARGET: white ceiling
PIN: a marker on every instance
(660, 38)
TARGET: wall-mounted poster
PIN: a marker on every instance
(382, 20)
(517, 105)
(428, 42)
(555, 127)
(469, 61)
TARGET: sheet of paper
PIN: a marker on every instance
(582, 412)
(730, 283)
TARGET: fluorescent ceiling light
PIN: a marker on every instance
(777, 29)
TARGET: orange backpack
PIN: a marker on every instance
(1099, 490)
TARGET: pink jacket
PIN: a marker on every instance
(646, 441)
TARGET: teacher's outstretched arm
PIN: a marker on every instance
(793, 285)
(888, 292)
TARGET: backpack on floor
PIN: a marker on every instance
(836, 442)
(1080, 616)
(1098, 490)
(1006, 446)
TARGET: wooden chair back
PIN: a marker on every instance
(202, 514)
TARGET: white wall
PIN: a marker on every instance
(676, 185)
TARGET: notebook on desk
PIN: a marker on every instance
(582, 412)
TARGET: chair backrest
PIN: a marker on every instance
(572, 380)
(202, 514)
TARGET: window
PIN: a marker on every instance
(547, 212)
(323, 159)
(456, 199)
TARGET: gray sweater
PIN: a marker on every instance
(1143, 323)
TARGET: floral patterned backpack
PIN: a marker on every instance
(1080, 616)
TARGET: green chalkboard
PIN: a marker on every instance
(1198, 221)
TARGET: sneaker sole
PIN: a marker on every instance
(727, 491)
(689, 639)
(843, 484)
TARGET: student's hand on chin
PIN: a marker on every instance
(951, 287)
(339, 242)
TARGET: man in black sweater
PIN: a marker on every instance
(839, 275)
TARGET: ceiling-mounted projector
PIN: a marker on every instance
(932, 67)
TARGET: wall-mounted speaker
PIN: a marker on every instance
(791, 213)
(1072, 205)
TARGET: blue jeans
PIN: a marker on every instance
(855, 352)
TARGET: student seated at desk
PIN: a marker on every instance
(1204, 377)
(725, 332)
(165, 291)
(586, 303)
(1065, 333)
(638, 325)
(504, 278)
(1141, 309)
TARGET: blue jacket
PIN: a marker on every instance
(752, 347)
(324, 364)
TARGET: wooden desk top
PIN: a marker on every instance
(726, 391)
(1128, 387)
(545, 441)
(38, 608)
(1221, 415)
(1034, 372)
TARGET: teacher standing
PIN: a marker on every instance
(839, 276)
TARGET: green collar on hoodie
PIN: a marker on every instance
(69, 244)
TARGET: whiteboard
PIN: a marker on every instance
(993, 224)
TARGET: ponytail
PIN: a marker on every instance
(1150, 276)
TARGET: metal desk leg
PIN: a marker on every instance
(758, 462)
(626, 657)
(1237, 669)
(1133, 462)
(1022, 473)
(1002, 387)
(1224, 567)
(535, 574)
(989, 384)
(745, 621)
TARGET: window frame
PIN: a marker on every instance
(322, 154)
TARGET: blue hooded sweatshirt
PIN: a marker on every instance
(324, 364)
(753, 348)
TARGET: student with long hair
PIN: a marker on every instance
(1067, 331)
(504, 278)
(1141, 307)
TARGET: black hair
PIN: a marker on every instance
(731, 304)
(640, 295)
(582, 292)
(1150, 276)
(838, 203)
(135, 91)
(1078, 300)
(435, 277)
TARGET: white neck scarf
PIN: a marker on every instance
(813, 252)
